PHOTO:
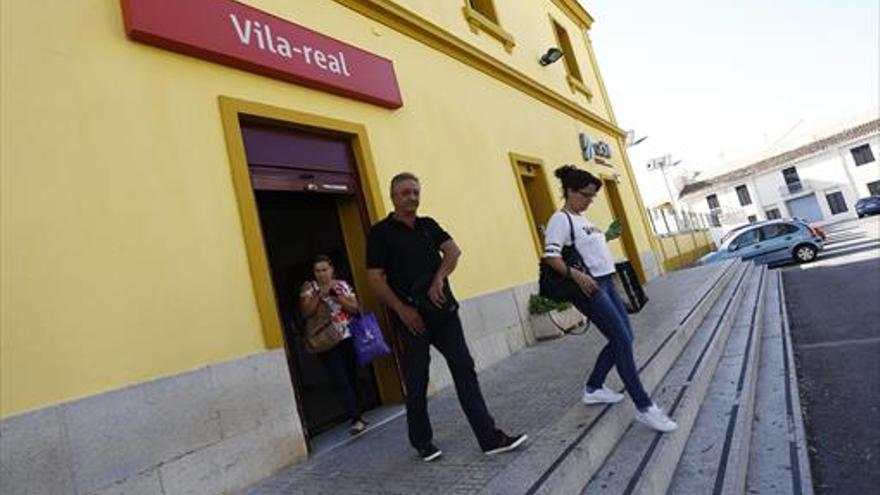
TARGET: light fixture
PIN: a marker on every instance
(631, 139)
(553, 54)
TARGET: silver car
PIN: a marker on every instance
(771, 242)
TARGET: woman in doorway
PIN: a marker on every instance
(597, 298)
(339, 361)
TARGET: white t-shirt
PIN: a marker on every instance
(589, 241)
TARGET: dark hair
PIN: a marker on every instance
(575, 179)
(322, 258)
(397, 179)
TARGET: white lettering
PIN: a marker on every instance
(259, 33)
(321, 59)
(243, 34)
(246, 30)
(269, 38)
(334, 64)
(344, 66)
(283, 47)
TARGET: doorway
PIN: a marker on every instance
(306, 184)
(535, 192)
(296, 227)
(806, 208)
(627, 241)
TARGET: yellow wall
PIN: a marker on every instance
(680, 250)
(529, 24)
(122, 252)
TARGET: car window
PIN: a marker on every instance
(771, 231)
(746, 238)
(777, 230)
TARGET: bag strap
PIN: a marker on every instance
(570, 226)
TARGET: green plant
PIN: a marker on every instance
(539, 305)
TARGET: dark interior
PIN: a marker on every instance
(296, 227)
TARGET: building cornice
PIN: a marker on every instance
(420, 29)
(576, 12)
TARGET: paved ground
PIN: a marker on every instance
(528, 392)
(834, 311)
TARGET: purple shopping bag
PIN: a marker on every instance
(368, 341)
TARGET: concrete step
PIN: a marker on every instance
(644, 461)
(715, 459)
(564, 455)
(536, 391)
(778, 460)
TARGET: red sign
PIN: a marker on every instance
(234, 34)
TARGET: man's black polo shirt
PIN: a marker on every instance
(409, 256)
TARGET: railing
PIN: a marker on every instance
(669, 221)
(682, 236)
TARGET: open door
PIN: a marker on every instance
(307, 194)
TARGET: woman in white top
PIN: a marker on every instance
(340, 361)
(597, 298)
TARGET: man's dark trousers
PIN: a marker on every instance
(447, 336)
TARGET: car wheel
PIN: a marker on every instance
(805, 253)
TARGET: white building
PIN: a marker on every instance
(819, 182)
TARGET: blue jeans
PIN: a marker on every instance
(606, 311)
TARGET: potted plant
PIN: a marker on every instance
(550, 319)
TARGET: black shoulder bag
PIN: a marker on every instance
(555, 286)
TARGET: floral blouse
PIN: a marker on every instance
(340, 317)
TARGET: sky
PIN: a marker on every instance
(721, 83)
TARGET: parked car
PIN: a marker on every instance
(868, 206)
(817, 231)
(770, 242)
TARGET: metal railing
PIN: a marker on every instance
(671, 221)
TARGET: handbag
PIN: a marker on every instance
(556, 287)
(321, 334)
(369, 344)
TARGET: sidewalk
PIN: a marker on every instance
(527, 393)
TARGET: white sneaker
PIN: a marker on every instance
(656, 419)
(602, 395)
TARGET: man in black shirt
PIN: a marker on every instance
(407, 272)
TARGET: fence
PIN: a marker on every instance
(683, 236)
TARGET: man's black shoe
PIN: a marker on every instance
(429, 452)
(507, 443)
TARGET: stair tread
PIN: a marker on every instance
(557, 445)
(640, 448)
(778, 462)
(714, 451)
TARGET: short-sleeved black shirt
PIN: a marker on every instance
(408, 255)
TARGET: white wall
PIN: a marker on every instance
(827, 172)
(732, 212)
(862, 174)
